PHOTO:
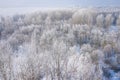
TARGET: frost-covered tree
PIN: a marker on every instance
(86, 48)
(30, 69)
(89, 66)
(59, 56)
(108, 20)
(108, 50)
(82, 33)
(118, 21)
(96, 36)
(8, 21)
(0, 19)
(100, 20)
(6, 66)
(35, 41)
(47, 38)
(20, 22)
(81, 17)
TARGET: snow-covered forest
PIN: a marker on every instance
(61, 44)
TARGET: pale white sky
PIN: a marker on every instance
(57, 3)
(11, 7)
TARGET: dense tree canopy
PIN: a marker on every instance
(75, 44)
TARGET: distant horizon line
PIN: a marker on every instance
(23, 10)
(66, 7)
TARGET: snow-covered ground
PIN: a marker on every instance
(113, 28)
